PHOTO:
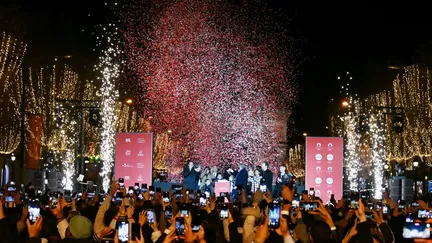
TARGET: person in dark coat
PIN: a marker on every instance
(191, 176)
(242, 177)
(268, 176)
(283, 178)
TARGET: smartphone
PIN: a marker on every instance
(180, 227)
(67, 196)
(90, 195)
(274, 216)
(33, 210)
(409, 218)
(136, 231)
(121, 183)
(136, 187)
(296, 201)
(203, 201)
(184, 211)
(414, 204)
(369, 215)
(263, 186)
(151, 190)
(424, 214)
(308, 206)
(401, 208)
(10, 202)
(158, 190)
(378, 206)
(223, 194)
(224, 212)
(416, 231)
(168, 212)
(311, 192)
(165, 197)
(150, 216)
(385, 209)
(143, 187)
(119, 198)
(130, 190)
(123, 231)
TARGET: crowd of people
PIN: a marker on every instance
(185, 213)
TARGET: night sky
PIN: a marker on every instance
(335, 39)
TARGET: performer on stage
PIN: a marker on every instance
(191, 175)
(282, 179)
(268, 176)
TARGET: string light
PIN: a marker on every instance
(412, 90)
(377, 127)
(11, 53)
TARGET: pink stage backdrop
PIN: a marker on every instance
(324, 162)
(134, 153)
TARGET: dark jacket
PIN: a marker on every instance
(191, 178)
(268, 176)
(242, 178)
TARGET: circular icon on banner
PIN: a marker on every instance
(318, 168)
(318, 146)
(317, 193)
(318, 180)
(330, 146)
(330, 169)
(329, 180)
(318, 157)
(329, 192)
(330, 157)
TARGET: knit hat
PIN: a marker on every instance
(80, 227)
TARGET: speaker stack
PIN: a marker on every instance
(401, 188)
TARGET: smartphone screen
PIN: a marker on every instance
(136, 231)
(143, 187)
(151, 190)
(311, 192)
(203, 201)
(33, 210)
(118, 198)
(416, 231)
(121, 183)
(136, 187)
(401, 208)
(184, 212)
(166, 197)
(130, 190)
(67, 196)
(180, 227)
(385, 209)
(10, 202)
(168, 212)
(123, 231)
(224, 212)
(424, 214)
(308, 206)
(274, 216)
(150, 216)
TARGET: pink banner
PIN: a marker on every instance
(134, 153)
(324, 166)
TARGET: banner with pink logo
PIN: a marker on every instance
(324, 166)
(134, 158)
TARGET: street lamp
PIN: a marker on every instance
(304, 134)
(345, 103)
(386, 166)
(129, 101)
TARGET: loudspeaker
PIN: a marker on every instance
(39, 179)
